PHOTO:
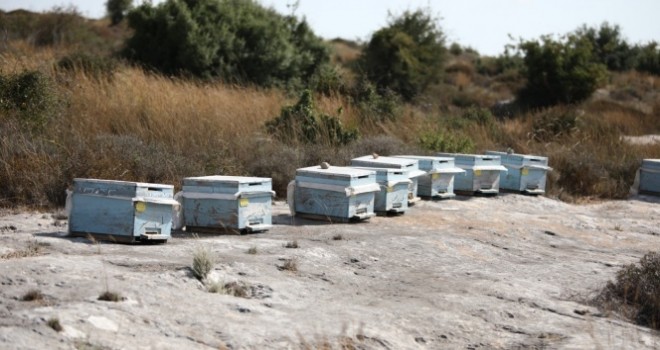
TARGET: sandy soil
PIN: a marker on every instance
(472, 273)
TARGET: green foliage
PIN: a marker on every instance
(503, 63)
(117, 9)
(29, 96)
(559, 72)
(406, 56)
(375, 106)
(327, 80)
(302, 123)
(608, 45)
(234, 40)
(442, 141)
(92, 65)
(649, 59)
(481, 116)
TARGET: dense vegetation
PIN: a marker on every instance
(203, 87)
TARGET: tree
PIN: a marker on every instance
(234, 40)
(117, 9)
(609, 47)
(407, 55)
(649, 58)
(559, 71)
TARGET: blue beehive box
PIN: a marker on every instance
(121, 211)
(411, 165)
(438, 180)
(649, 177)
(482, 173)
(333, 193)
(525, 173)
(393, 195)
(234, 203)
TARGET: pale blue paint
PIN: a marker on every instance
(393, 195)
(525, 173)
(411, 165)
(241, 203)
(329, 201)
(482, 173)
(438, 182)
(121, 211)
(649, 177)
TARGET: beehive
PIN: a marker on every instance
(649, 177)
(438, 181)
(481, 176)
(393, 195)
(411, 165)
(121, 211)
(525, 173)
(333, 193)
(234, 203)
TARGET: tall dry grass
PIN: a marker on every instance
(139, 126)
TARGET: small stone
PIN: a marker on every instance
(420, 340)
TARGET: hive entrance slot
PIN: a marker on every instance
(154, 189)
(363, 177)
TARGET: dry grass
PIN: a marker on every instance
(33, 248)
(140, 126)
(291, 244)
(33, 295)
(54, 323)
(290, 265)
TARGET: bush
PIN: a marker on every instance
(110, 296)
(234, 40)
(94, 66)
(407, 55)
(555, 123)
(301, 123)
(636, 291)
(375, 106)
(55, 324)
(29, 96)
(203, 261)
(649, 59)
(609, 47)
(117, 9)
(441, 141)
(559, 72)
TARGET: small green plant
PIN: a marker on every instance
(110, 296)
(203, 261)
(29, 96)
(55, 324)
(252, 250)
(441, 141)
(33, 295)
(292, 244)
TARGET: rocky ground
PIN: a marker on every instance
(472, 273)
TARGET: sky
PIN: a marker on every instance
(485, 25)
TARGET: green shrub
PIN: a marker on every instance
(441, 141)
(559, 72)
(407, 55)
(95, 66)
(609, 46)
(233, 40)
(117, 9)
(301, 123)
(30, 96)
(649, 58)
(375, 106)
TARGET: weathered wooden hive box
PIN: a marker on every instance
(121, 211)
(649, 177)
(438, 181)
(411, 165)
(482, 173)
(233, 203)
(525, 173)
(334, 193)
(393, 195)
